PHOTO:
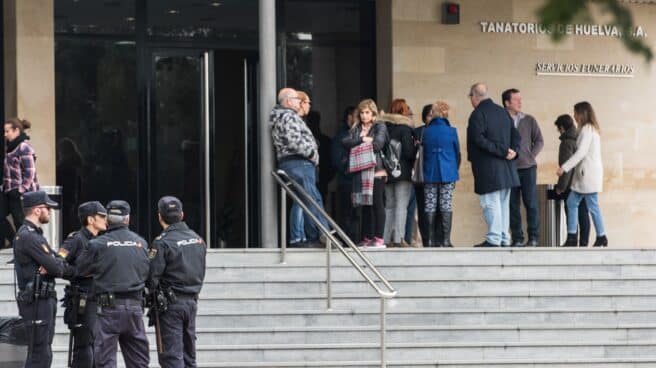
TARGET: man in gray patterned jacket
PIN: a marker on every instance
(297, 154)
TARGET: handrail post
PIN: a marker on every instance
(329, 281)
(283, 225)
(383, 328)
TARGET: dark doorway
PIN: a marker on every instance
(200, 133)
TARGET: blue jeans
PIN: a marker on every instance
(496, 212)
(304, 173)
(591, 200)
(527, 190)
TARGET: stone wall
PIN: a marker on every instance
(432, 61)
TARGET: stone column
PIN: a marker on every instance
(29, 37)
(267, 98)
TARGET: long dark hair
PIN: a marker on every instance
(585, 115)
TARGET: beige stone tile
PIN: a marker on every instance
(418, 59)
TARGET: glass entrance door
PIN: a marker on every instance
(200, 139)
(178, 138)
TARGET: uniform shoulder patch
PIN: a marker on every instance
(159, 237)
(71, 234)
(152, 253)
(45, 248)
(62, 252)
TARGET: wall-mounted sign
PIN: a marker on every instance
(601, 30)
(585, 70)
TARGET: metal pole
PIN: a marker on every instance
(383, 327)
(283, 225)
(329, 280)
(207, 158)
(267, 76)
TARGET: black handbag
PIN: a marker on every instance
(418, 168)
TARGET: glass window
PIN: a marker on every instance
(230, 23)
(330, 54)
(95, 104)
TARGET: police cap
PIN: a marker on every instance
(91, 208)
(118, 207)
(37, 198)
(169, 205)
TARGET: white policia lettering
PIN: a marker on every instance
(128, 243)
(189, 241)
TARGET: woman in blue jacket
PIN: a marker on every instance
(441, 163)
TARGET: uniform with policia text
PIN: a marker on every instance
(118, 261)
(177, 273)
(79, 299)
(36, 297)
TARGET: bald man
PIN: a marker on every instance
(492, 145)
(298, 155)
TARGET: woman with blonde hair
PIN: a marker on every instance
(441, 164)
(368, 132)
(588, 177)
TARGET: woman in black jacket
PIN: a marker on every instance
(398, 189)
(367, 130)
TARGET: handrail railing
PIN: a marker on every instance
(388, 292)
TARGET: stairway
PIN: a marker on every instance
(541, 307)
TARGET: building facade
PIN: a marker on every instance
(135, 99)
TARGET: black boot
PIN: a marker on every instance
(571, 240)
(439, 237)
(447, 218)
(430, 229)
(601, 241)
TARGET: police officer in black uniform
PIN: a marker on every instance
(177, 270)
(36, 266)
(118, 261)
(80, 313)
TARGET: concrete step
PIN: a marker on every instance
(461, 302)
(400, 334)
(504, 363)
(431, 256)
(309, 318)
(414, 351)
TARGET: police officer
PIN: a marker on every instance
(80, 314)
(37, 265)
(118, 261)
(177, 270)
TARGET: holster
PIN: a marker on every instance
(106, 300)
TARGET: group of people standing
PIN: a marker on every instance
(377, 203)
(110, 268)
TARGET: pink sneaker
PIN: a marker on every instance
(377, 243)
(364, 243)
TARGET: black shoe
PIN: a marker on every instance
(485, 244)
(601, 241)
(532, 243)
(571, 241)
(11, 261)
(447, 219)
(517, 243)
(299, 244)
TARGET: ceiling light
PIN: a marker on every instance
(173, 11)
(130, 19)
(215, 4)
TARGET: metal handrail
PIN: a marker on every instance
(390, 292)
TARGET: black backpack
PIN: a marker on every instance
(391, 156)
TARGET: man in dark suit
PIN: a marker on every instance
(492, 145)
